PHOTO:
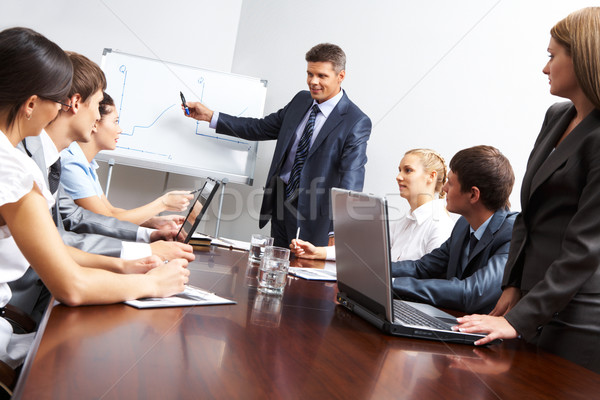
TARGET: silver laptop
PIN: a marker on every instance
(363, 266)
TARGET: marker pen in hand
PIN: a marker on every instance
(187, 110)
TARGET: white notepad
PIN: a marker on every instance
(191, 296)
(313, 274)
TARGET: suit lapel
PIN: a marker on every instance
(456, 249)
(570, 144)
(488, 235)
(34, 146)
(540, 154)
(334, 119)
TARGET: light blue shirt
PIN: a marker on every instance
(78, 176)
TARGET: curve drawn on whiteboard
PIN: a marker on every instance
(202, 83)
(148, 126)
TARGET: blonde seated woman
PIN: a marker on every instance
(80, 181)
(421, 176)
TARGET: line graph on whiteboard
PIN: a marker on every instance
(156, 133)
(168, 112)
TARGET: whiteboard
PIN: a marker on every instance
(156, 135)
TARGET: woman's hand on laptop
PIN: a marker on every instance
(494, 327)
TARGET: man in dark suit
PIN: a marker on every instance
(321, 143)
(465, 272)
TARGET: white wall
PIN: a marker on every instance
(434, 73)
(201, 33)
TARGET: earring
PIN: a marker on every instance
(28, 117)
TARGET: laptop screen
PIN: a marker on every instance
(362, 249)
(198, 209)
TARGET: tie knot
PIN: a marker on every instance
(472, 242)
(315, 109)
(56, 165)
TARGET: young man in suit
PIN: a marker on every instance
(321, 143)
(465, 272)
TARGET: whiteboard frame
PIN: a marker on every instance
(110, 157)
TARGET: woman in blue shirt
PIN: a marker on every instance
(80, 180)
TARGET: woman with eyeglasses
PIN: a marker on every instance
(35, 77)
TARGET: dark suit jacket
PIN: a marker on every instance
(337, 157)
(439, 279)
(556, 240)
(79, 227)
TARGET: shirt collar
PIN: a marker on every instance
(327, 107)
(482, 228)
(423, 212)
(49, 148)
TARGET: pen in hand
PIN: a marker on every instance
(297, 237)
(187, 110)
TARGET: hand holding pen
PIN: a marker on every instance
(195, 110)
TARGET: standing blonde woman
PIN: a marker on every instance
(551, 285)
(421, 176)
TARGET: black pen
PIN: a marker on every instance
(187, 110)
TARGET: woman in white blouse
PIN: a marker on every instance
(35, 77)
(421, 175)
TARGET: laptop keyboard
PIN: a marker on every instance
(409, 315)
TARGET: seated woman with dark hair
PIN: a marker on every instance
(35, 77)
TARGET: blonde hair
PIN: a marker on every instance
(579, 33)
(433, 161)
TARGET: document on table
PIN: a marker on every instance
(313, 274)
(224, 242)
(191, 296)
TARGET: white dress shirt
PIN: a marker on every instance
(417, 232)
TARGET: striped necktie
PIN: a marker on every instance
(301, 153)
(54, 176)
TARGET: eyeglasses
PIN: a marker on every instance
(64, 106)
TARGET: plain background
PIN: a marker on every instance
(435, 73)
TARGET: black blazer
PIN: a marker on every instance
(337, 157)
(555, 251)
(439, 278)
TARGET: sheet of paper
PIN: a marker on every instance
(224, 242)
(191, 296)
(232, 244)
(314, 274)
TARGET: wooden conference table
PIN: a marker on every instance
(300, 346)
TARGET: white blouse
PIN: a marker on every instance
(416, 233)
(18, 173)
(420, 231)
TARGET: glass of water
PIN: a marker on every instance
(257, 247)
(273, 270)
